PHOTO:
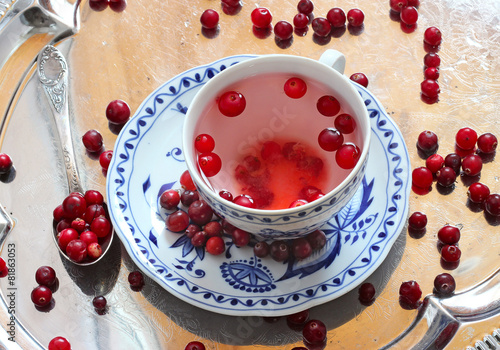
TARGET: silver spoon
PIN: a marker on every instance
(53, 74)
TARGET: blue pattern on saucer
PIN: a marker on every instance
(148, 160)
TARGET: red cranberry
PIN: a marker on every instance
(449, 234)
(41, 296)
(226, 195)
(136, 279)
(305, 6)
(330, 139)
(105, 159)
(101, 226)
(466, 138)
(434, 162)
(209, 19)
(210, 163)
(245, 201)
(74, 206)
(337, 17)
(204, 143)
(422, 177)
(79, 225)
(432, 60)
(359, 78)
(366, 294)
(427, 141)
(60, 343)
(430, 88)
(446, 176)
(298, 318)
(98, 5)
(118, 112)
(283, 30)
(76, 250)
(355, 17)
(93, 211)
(240, 238)
(170, 199)
(409, 294)
(431, 73)
(191, 230)
(232, 3)
(118, 5)
(487, 143)
(188, 197)
(321, 26)
(215, 245)
(270, 150)
(347, 156)
(409, 15)
(89, 237)
(94, 250)
(432, 36)
(454, 161)
(199, 239)
(45, 276)
(58, 213)
(328, 105)
(280, 251)
(314, 332)
(187, 182)
(213, 228)
(65, 236)
(99, 303)
(261, 249)
(300, 21)
(450, 253)
(345, 123)
(301, 248)
(93, 197)
(62, 225)
(178, 221)
(317, 239)
(195, 345)
(232, 103)
(417, 220)
(295, 87)
(3, 264)
(472, 165)
(444, 284)
(92, 140)
(261, 17)
(200, 212)
(478, 192)
(492, 204)
(4, 272)
(398, 5)
(298, 203)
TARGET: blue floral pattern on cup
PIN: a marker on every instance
(148, 160)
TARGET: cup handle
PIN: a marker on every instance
(334, 59)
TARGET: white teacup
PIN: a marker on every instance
(234, 135)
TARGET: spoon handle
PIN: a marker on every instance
(53, 74)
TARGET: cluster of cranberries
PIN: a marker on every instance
(430, 87)
(46, 278)
(406, 12)
(101, 5)
(410, 292)
(209, 162)
(466, 158)
(81, 222)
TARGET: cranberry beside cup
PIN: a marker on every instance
(280, 119)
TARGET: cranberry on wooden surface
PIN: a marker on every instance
(99, 302)
(422, 177)
(449, 234)
(60, 343)
(450, 253)
(417, 220)
(336, 16)
(433, 36)
(409, 294)
(454, 161)
(434, 162)
(492, 204)
(487, 143)
(314, 332)
(261, 17)
(409, 15)
(298, 318)
(446, 176)
(209, 19)
(300, 21)
(136, 279)
(472, 165)
(232, 103)
(92, 140)
(305, 6)
(478, 192)
(118, 112)
(366, 294)
(466, 138)
(427, 141)
(283, 30)
(355, 17)
(432, 59)
(118, 5)
(398, 5)
(321, 26)
(431, 73)
(195, 345)
(444, 284)
(430, 88)
(98, 5)
(105, 159)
